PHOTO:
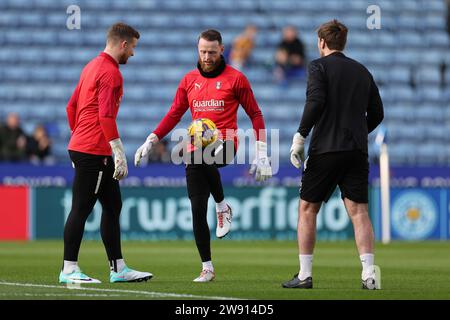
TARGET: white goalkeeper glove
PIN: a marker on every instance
(261, 164)
(143, 150)
(298, 150)
(120, 161)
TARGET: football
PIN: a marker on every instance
(202, 132)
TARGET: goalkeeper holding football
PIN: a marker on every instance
(214, 91)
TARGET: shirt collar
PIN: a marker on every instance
(216, 72)
(107, 56)
(338, 53)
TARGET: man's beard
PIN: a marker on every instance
(209, 67)
(123, 59)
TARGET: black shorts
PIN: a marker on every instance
(203, 178)
(323, 172)
(219, 154)
(94, 178)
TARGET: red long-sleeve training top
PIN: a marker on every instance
(216, 98)
(93, 107)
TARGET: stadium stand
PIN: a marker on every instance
(40, 62)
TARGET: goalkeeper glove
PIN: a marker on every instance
(143, 150)
(120, 161)
(261, 164)
(298, 150)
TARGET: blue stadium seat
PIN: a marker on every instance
(70, 37)
(55, 20)
(411, 39)
(139, 130)
(387, 5)
(83, 56)
(399, 74)
(386, 39)
(261, 55)
(434, 56)
(96, 5)
(42, 112)
(402, 93)
(432, 93)
(429, 113)
(433, 6)
(31, 19)
(360, 39)
(43, 73)
(68, 74)
(403, 152)
(389, 22)
(59, 149)
(400, 112)
(405, 22)
(17, 37)
(19, 4)
(18, 74)
(432, 153)
(438, 39)
(407, 57)
(428, 75)
(22, 109)
(48, 5)
(57, 55)
(433, 21)
(435, 133)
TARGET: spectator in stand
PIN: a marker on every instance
(242, 47)
(159, 153)
(39, 146)
(13, 140)
(289, 57)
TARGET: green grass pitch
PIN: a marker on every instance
(244, 270)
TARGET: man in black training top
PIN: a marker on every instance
(343, 105)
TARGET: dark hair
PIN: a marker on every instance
(334, 33)
(211, 35)
(122, 31)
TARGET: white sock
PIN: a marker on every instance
(117, 265)
(207, 266)
(305, 266)
(70, 266)
(367, 261)
(221, 206)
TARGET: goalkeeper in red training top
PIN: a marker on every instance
(214, 90)
(92, 112)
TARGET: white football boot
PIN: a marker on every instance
(129, 275)
(205, 276)
(223, 222)
(76, 277)
(371, 280)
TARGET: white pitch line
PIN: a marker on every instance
(137, 292)
(26, 294)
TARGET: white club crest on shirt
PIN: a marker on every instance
(218, 85)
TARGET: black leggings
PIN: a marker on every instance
(93, 180)
(202, 180)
